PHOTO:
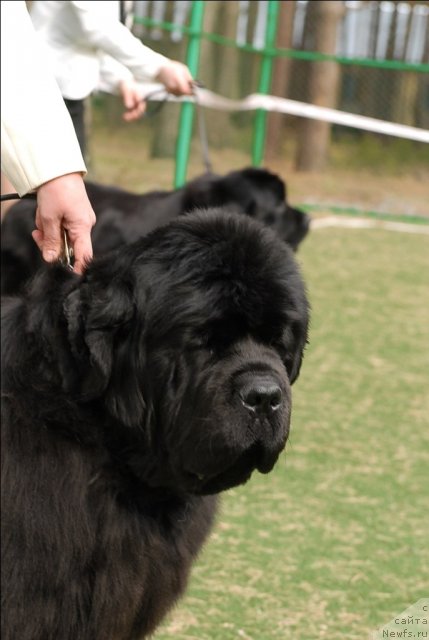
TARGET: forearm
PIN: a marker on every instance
(38, 138)
(113, 38)
(112, 73)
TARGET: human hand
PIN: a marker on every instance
(62, 203)
(176, 78)
(132, 100)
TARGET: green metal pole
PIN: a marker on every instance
(260, 123)
(187, 110)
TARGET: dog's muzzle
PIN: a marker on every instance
(254, 434)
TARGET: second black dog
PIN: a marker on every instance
(122, 216)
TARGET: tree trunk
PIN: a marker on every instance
(405, 102)
(221, 68)
(312, 153)
(207, 52)
(166, 123)
(280, 83)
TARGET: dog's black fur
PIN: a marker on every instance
(123, 217)
(132, 395)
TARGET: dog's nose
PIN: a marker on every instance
(261, 395)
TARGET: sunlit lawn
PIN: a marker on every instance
(333, 543)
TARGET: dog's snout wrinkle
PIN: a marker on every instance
(261, 395)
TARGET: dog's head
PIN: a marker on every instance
(255, 192)
(184, 346)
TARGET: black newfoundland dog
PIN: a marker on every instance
(132, 396)
(122, 217)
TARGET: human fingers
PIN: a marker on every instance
(78, 227)
(176, 78)
(48, 236)
(132, 99)
(128, 93)
(38, 239)
(82, 251)
(135, 112)
(63, 204)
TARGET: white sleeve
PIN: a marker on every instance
(111, 74)
(112, 37)
(37, 135)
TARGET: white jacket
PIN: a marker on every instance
(38, 141)
(90, 48)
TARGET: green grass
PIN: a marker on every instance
(381, 154)
(333, 543)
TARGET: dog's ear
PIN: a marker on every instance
(293, 365)
(211, 190)
(200, 193)
(265, 181)
(296, 341)
(124, 397)
(93, 320)
(105, 337)
(238, 190)
(295, 225)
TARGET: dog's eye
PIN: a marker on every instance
(281, 349)
(200, 343)
(196, 343)
(203, 349)
(270, 218)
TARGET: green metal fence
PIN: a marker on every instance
(195, 34)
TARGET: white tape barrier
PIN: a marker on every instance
(304, 110)
(292, 107)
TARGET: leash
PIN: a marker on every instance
(149, 113)
(202, 129)
(67, 251)
(16, 196)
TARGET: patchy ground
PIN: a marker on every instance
(120, 155)
(333, 542)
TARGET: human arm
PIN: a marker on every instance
(176, 78)
(108, 35)
(115, 78)
(105, 33)
(39, 148)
